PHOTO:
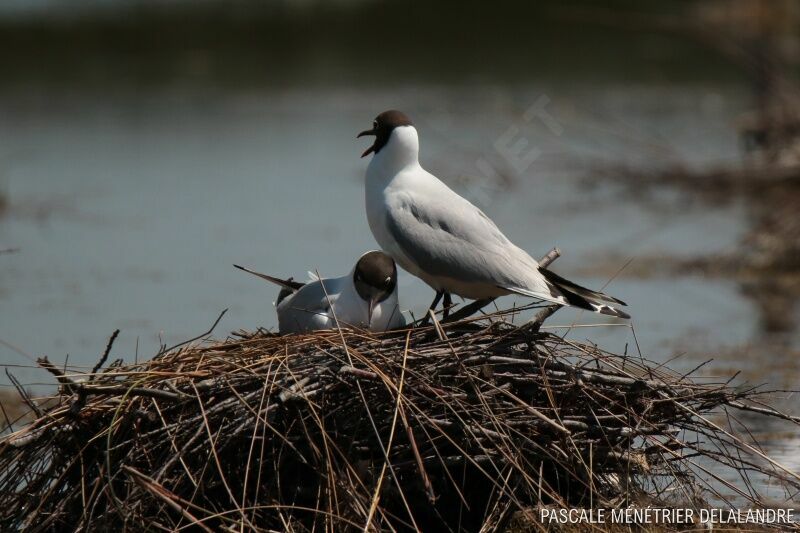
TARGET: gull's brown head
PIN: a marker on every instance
(375, 278)
(382, 128)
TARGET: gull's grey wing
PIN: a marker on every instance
(306, 310)
(453, 238)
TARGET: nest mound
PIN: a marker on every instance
(465, 426)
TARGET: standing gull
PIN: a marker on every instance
(364, 298)
(443, 239)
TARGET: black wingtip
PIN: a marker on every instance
(612, 311)
(576, 294)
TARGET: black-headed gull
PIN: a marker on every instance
(443, 239)
(366, 298)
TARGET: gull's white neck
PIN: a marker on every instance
(399, 153)
(394, 167)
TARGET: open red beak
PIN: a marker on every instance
(371, 148)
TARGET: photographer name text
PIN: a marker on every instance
(655, 515)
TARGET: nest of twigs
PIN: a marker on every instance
(459, 427)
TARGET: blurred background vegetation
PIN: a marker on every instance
(366, 42)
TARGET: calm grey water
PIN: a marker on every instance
(129, 209)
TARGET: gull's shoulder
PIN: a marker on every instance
(421, 209)
(317, 294)
(423, 188)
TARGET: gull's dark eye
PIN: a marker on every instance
(375, 124)
(388, 281)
